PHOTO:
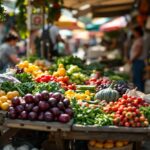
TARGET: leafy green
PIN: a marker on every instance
(24, 77)
(90, 116)
(146, 112)
(22, 88)
(50, 86)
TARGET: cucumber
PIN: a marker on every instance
(86, 87)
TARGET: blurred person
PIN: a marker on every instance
(8, 54)
(50, 38)
(147, 43)
(2, 31)
(137, 57)
(93, 40)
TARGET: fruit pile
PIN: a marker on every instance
(87, 95)
(43, 106)
(63, 80)
(5, 99)
(126, 111)
(90, 114)
(61, 71)
(30, 68)
(120, 87)
(108, 144)
(75, 75)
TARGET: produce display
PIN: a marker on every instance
(90, 114)
(6, 98)
(126, 111)
(69, 88)
(42, 106)
(108, 144)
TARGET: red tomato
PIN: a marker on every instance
(136, 119)
(60, 79)
(127, 124)
(138, 124)
(66, 79)
(93, 79)
(142, 118)
(125, 96)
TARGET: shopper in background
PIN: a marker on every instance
(8, 54)
(50, 38)
(137, 57)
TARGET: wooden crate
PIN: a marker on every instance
(38, 125)
(93, 128)
(2, 116)
(127, 147)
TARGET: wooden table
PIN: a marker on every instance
(79, 132)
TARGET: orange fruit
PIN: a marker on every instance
(92, 142)
(0, 103)
(5, 106)
(2, 93)
(3, 99)
(61, 71)
(15, 93)
(10, 95)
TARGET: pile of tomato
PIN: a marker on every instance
(126, 111)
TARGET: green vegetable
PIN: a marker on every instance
(146, 112)
(24, 77)
(90, 116)
(86, 87)
(107, 94)
(50, 86)
(22, 88)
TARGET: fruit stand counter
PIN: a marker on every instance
(66, 132)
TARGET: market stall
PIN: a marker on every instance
(72, 100)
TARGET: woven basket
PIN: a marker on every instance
(127, 147)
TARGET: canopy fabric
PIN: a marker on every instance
(69, 23)
(115, 24)
(101, 8)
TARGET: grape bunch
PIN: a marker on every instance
(103, 86)
(121, 87)
(18, 70)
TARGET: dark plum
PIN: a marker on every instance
(19, 108)
(29, 98)
(32, 116)
(64, 118)
(52, 102)
(55, 111)
(50, 94)
(35, 109)
(69, 111)
(43, 106)
(15, 101)
(48, 116)
(37, 98)
(66, 102)
(57, 96)
(29, 107)
(41, 116)
(45, 95)
(61, 106)
(24, 115)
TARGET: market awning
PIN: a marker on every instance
(101, 8)
(115, 24)
(69, 23)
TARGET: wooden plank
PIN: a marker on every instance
(2, 116)
(110, 14)
(88, 128)
(4, 139)
(38, 125)
(105, 136)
